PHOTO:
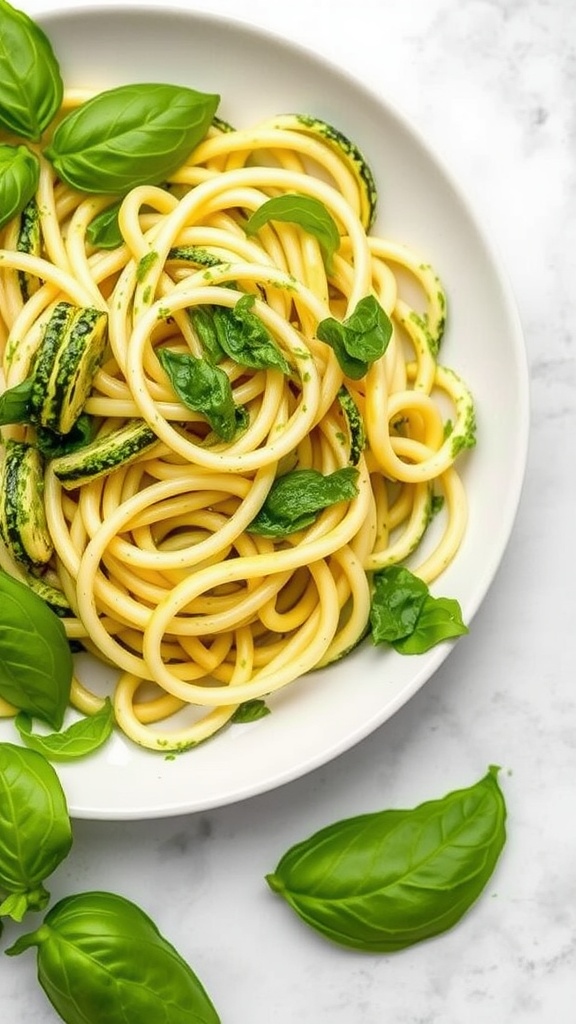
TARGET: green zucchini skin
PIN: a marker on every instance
(70, 353)
(23, 524)
(103, 455)
(29, 241)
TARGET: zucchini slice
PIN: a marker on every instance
(51, 595)
(103, 455)
(29, 241)
(23, 524)
(70, 353)
(348, 152)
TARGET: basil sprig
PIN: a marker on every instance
(19, 175)
(295, 499)
(35, 659)
(35, 831)
(101, 958)
(381, 882)
(204, 388)
(80, 738)
(305, 211)
(359, 340)
(405, 615)
(31, 87)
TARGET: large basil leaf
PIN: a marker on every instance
(101, 958)
(404, 614)
(307, 212)
(359, 340)
(238, 333)
(35, 659)
(380, 882)
(129, 136)
(295, 499)
(30, 83)
(15, 403)
(81, 738)
(204, 388)
(35, 831)
(19, 176)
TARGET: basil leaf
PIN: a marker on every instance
(384, 881)
(295, 499)
(205, 389)
(397, 601)
(238, 333)
(359, 340)
(81, 738)
(440, 619)
(35, 831)
(19, 176)
(53, 445)
(404, 614)
(250, 711)
(101, 958)
(30, 83)
(15, 403)
(104, 230)
(35, 659)
(307, 212)
(129, 136)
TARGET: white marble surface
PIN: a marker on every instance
(492, 85)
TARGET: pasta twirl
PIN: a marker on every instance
(157, 561)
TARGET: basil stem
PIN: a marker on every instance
(30, 83)
(306, 211)
(35, 659)
(35, 831)
(101, 958)
(19, 176)
(81, 738)
(384, 881)
(359, 340)
(129, 136)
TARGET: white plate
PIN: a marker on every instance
(257, 75)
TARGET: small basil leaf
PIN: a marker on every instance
(104, 230)
(384, 881)
(243, 336)
(15, 403)
(30, 83)
(359, 340)
(81, 738)
(440, 619)
(19, 176)
(397, 601)
(35, 831)
(250, 711)
(129, 136)
(35, 659)
(307, 212)
(203, 321)
(101, 958)
(295, 499)
(204, 388)
(53, 445)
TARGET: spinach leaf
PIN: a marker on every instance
(384, 881)
(307, 212)
(359, 340)
(404, 614)
(205, 389)
(15, 403)
(101, 958)
(81, 738)
(128, 136)
(104, 230)
(238, 333)
(35, 831)
(19, 176)
(30, 83)
(295, 499)
(250, 711)
(35, 659)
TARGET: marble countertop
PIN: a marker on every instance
(492, 85)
